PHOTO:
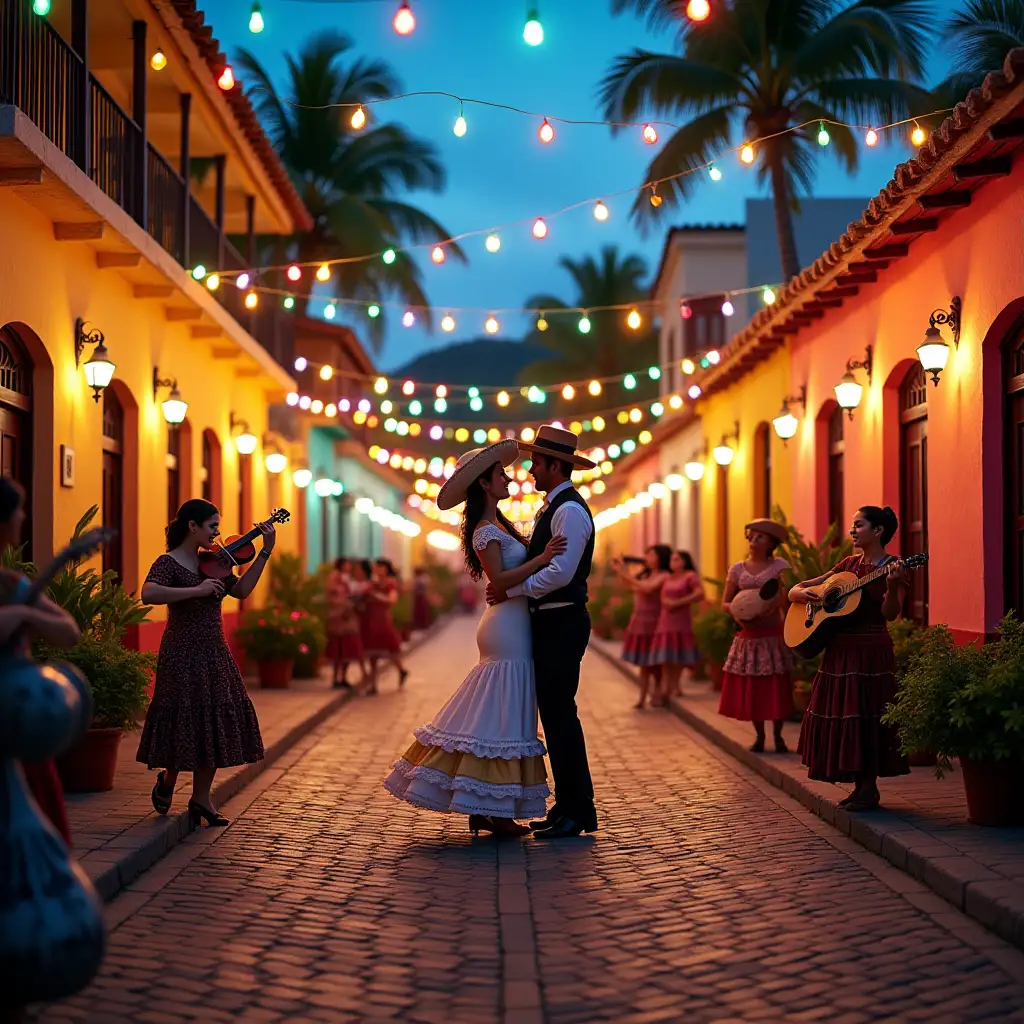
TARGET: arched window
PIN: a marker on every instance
(1013, 453)
(113, 479)
(762, 471)
(836, 450)
(914, 484)
(211, 470)
(16, 420)
(173, 472)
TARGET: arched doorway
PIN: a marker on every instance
(1013, 454)
(179, 466)
(913, 404)
(211, 471)
(836, 469)
(16, 419)
(113, 479)
(762, 472)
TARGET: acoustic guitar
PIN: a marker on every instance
(809, 627)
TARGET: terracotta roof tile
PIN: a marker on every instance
(928, 170)
(202, 35)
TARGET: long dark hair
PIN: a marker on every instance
(664, 553)
(476, 501)
(195, 510)
(883, 517)
(12, 497)
(688, 564)
(386, 562)
(364, 564)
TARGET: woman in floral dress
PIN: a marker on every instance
(344, 644)
(757, 683)
(638, 643)
(201, 717)
(675, 646)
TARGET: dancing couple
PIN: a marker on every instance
(481, 754)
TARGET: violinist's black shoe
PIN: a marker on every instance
(567, 828)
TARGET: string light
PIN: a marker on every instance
(358, 119)
(323, 273)
(41, 7)
(747, 153)
(634, 320)
(158, 61)
(650, 134)
(728, 308)
(629, 382)
(404, 21)
(594, 387)
(918, 135)
(583, 326)
(256, 24)
(698, 10)
(242, 282)
(769, 296)
(437, 254)
(533, 31)
(568, 392)
(546, 133)
(491, 325)
(252, 300)
(460, 126)
(600, 211)
(493, 243)
(502, 399)
(288, 302)
(409, 388)
(655, 198)
(685, 310)
(198, 272)
(542, 324)
(373, 311)
(330, 311)
(388, 256)
(540, 228)
(823, 139)
(380, 385)
(654, 372)
(294, 273)
(441, 391)
(687, 366)
(871, 139)
(227, 79)
(448, 323)
(714, 173)
(408, 318)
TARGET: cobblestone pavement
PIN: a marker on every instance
(706, 896)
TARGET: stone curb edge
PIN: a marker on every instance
(170, 831)
(967, 885)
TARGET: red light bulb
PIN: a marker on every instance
(294, 272)
(546, 132)
(404, 21)
(698, 10)
(227, 79)
(650, 134)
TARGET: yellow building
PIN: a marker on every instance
(107, 117)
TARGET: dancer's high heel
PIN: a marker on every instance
(160, 797)
(197, 814)
(500, 827)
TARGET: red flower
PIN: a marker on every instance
(261, 622)
(303, 649)
(295, 615)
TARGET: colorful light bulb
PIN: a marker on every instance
(633, 320)
(256, 23)
(492, 243)
(448, 323)
(823, 139)
(698, 10)
(747, 153)
(918, 135)
(546, 133)
(388, 256)
(533, 31)
(460, 126)
(714, 173)
(408, 318)
(404, 21)
(600, 211)
(294, 272)
(373, 311)
(323, 273)
(650, 134)
(871, 139)
(491, 325)
(437, 254)
(158, 61)
(227, 79)
(358, 118)
(540, 228)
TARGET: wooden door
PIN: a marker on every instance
(762, 472)
(173, 472)
(113, 480)
(1013, 475)
(836, 454)
(914, 485)
(16, 422)
(723, 520)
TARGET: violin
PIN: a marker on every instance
(235, 551)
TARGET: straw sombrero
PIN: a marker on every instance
(559, 443)
(768, 526)
(471, 466)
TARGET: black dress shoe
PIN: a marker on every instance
(553, 817)
(567, 828)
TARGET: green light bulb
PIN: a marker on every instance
(256, 19)
(533, 31)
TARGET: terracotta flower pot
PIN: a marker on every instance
(995, 791)
(715, 671)
(89, 764)
(275, 674)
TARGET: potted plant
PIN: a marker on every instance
(304, 596)
(908, 642)
(270, 638)
(714, 630)
(804, 671)
(312, 641)
(967, 702)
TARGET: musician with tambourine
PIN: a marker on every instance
(201, 717)
(842, 738)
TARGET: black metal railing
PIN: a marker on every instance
(166, 201)
(114, 142)
(43, 76)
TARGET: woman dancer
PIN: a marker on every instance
(380, 638)
(756, 680)
(638, 644)
(201, 718)
(45, 621)
(422, 610)
(480, 755)
(674, 645)
(344, 644)
(842, 738)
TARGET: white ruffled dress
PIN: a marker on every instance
(481, 754)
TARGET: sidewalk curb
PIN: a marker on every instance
(167, 832)
(962, 882)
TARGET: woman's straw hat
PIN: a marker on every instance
(473, 465)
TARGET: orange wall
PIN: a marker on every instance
(978, 254)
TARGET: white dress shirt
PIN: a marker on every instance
(572, 522)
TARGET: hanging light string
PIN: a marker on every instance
(746, 151)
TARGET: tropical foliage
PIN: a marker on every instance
(978, 36)
(349, 180)
(758, 68)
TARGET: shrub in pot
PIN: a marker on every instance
(908, 642)
(967, 702)
(270, 639)
(714, 630)
(312, 641)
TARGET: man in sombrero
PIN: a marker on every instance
(560, 623)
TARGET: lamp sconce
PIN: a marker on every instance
(933, 351)
(723, 453)
(273, 458)
(849, 390)
(786, 424)
(245, 440)
(173, 406)
(99, 370)
(693, 470)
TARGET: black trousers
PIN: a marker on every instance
(560, 638)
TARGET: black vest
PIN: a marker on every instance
(575, 591)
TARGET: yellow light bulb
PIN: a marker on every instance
(568, 392)
(542, 324)
(598, 423)
(380, 385)
(502, 398)
(358, 118)
(252, 300)
(634, 319)
(600, 211)
(326, 372)
(491, 325)
(158, 61)
(323, 273)
(594, 387)
(918, 136)
(747, 153)
(448, 323)
(213, 282)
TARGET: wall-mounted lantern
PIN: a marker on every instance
(173, 406)
(302, 478)
(933, 351)
(723, 453)
(99, 370)
(245, 440)
(785, 424)
(849, 390)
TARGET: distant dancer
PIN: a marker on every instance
(675, 647)
(344, 643)
(381, 641)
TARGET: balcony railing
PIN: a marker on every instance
(46, 79)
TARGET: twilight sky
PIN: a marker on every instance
(499, 172)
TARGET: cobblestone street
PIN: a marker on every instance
(707, 895)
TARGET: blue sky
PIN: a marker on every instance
(499, 172)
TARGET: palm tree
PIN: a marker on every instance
(979, 36)
(348, 179)
(611, 347)
(771, 65)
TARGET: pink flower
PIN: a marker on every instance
(261, 622)
(303, 649)
(295, 615)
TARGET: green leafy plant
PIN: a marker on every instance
(908, 642)
(444, 585)
(269, 634)
(311, 634)
(292, 587)
(118, 678)
(808, 560)
(963, 701)
(714, 630)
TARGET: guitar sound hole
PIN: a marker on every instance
(834, 600)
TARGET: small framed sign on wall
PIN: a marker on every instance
(67, 466)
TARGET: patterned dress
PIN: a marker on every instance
(380, 638)
(674, 642)
(343, 640)
(201, 715)
(638, 643)
(756, 681)
(842, 734)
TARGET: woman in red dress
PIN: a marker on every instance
(757, 684)
(44, 620)
(638, 643)
(675, 647)
(380, 638)
(422, 611)
(344, 644)
(842, 738)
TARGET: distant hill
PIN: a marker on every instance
(482, 361)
